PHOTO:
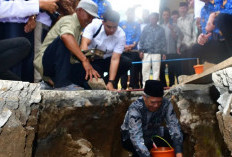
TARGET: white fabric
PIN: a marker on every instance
(37, 45)
(18, 8)
(44, 18)
(110, 44)
(198, 5)
(151, 61)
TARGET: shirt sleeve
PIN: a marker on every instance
(119, 47)
(66, 27)
(10, 9)
(136, 133)
(163, 41)
(142, 39)
(179, 36)
(174, 128)
(138, 33)
(90, 30)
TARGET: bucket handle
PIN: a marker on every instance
(162, 139)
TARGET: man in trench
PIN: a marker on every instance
(145, 118)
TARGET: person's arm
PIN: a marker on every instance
(137, 34)
(114, 63)
(142, 39)
(115, 59)
(136, 132)
(162, 40)
(10, 9)
(74, 48)
(174, 128)
(84, 43)
(179, 38)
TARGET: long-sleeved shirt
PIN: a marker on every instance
(187, 26)
(18, 10)
(140, 124)
(173, 37)
(152, 40)
(132, 31)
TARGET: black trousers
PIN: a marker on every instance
(24, 69)
(101, 66)
(12, 52)
(174, 69)
(135, 71)
(148, 142)
(56, 63)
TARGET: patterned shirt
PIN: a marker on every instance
(153, 40)
(103, 6)
(137, 127)
(132, 30)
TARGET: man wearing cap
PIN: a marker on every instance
(53, 60)
(144, 119)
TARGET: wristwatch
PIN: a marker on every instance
(111, 81)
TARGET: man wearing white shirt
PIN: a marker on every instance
(16, 8)
(14, 50)
(14, 15)
(111, 39)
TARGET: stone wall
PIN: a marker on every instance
(18, 117)
(196, 110)
(223, 82)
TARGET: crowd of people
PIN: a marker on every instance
(60, 32)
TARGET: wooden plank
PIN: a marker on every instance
(206, 76)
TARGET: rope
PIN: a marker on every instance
(168, 60)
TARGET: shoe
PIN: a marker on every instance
(71, 87)
(45, 86)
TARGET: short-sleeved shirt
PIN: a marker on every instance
(108, 43)
(66, 25)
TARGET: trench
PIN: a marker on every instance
(60, 126)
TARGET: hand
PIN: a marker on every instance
(203, 38)
(164, 57)
(30, 25)
(48, 5)
(141, 55)
(90, 71)
(127, 48)
(179, 155)
(110, 86)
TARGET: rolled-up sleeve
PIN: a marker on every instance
(21, 9)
